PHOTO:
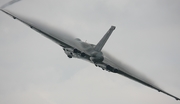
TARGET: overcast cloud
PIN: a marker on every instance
(35, 70)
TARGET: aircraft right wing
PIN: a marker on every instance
(116, 66)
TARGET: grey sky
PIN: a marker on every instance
(35, 70)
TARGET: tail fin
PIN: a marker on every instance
(101, 43)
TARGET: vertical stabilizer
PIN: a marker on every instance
(101, 43)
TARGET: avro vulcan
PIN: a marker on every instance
(75, 48)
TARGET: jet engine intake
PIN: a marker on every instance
(69, 52)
